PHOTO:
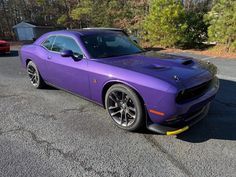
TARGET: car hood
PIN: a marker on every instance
(173, 69)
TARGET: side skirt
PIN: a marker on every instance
(87, 99)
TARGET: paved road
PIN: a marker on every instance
(53, 133)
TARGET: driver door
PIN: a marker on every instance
(66, 72)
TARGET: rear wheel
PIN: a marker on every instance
(125, 107)
(34, 75)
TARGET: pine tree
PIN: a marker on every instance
(222, 20)
(165, 24)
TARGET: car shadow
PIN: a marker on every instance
(13, 53)
(49, 87)
(221, 120)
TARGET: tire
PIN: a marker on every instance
(125, 107)
(34, 75)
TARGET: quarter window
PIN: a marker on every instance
(48, 43)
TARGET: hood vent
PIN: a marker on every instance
(155, 66)
(187, 62)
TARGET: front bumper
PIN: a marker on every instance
(5, 49)
(168, 108)
(183, 125)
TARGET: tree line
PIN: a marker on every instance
(167, 23)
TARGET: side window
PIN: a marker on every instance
(58, 44)
(48, 42)
(66, 43)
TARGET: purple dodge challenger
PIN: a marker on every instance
(165, 93)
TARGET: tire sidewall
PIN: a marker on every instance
(39, 84)
(139, 120)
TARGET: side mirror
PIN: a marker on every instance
(67, 53)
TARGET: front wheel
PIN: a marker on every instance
(125, 107)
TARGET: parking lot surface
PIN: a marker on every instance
(50, 132)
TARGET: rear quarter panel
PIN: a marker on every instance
(37, 54)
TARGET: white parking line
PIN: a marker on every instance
(230, 78)
(208, 58)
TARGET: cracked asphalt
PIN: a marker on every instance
(52, 133)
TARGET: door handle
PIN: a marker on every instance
(49, 57)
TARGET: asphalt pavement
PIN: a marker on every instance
(50, 132)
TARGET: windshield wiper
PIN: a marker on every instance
(109, 56)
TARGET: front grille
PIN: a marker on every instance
(193, 93)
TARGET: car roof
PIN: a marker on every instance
(103, 28)
(77, 32)
(88, 31)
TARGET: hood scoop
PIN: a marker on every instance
(187, 62)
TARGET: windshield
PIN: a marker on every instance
(106, 45)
